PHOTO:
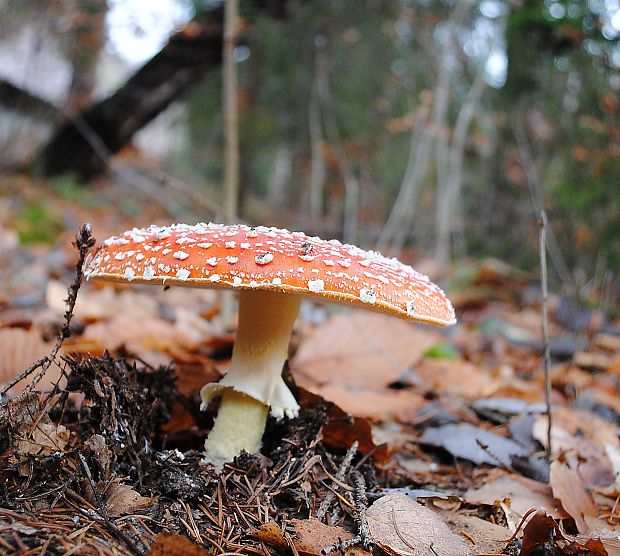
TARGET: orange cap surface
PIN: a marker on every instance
(238, 256)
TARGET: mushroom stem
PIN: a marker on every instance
(254, 382)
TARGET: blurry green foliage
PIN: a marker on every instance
(37, 223)
(443, 350)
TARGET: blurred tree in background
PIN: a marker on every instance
(419, 126)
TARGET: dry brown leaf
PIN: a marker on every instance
(483, 536)
(270, 534)
(310, 537)
(585, 434)
(121, 499)
(20, 415)
(342, 430)
(97, 304)
(542, 535)
(569, 488)
(46, 439)
(18, 350)
(382, 405)
(402, 527)
(173, 544)
(592, 361)
(521, 497)
(360, 350)
(456, 377)
(607, 342)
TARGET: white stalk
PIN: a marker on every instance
(254, 382)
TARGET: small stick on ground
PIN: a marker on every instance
(84, 240)
(344, 468)
(542, 222)
(363, 536)
(103, 512)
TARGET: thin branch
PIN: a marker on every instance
(84, 240)
(344, 468)
(537, 201)
(542, 222)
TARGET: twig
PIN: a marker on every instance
(103, 512)
(84, 240)
(363, 536)
(542, 222)
(344, 467)
(361, 503)
(487, 449)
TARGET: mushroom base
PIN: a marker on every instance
(254, 381)
(239, 426)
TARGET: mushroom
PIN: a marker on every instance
(272, 269)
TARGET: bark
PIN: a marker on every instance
(186, 58)
(26, 103)
(82, 145)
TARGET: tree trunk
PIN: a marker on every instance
(182, 62)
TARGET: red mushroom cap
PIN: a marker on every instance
(238, 256)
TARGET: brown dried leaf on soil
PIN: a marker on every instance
(522, 494)
(569, 488)
(46, 439)
(310, 537)
(360, 350)
(457, 377)
(342, 430)
(485, 537)
(121, 499)
(381, 405)
(173, 544)
(542, 535)
(401, 526)
(17, 422)
(19, 349)
(584, 434)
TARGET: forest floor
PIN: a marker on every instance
(410, 440)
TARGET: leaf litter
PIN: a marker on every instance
(108, 461)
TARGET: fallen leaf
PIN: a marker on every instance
(360, 350)
(45, 439)
(121, 499)
(21, 348)
(521, 498)
(381, 405)
(402, 527)
(17, 421)
(485, 537)
(269, 533)
(584, 434)
(592, 361)
(456, 377)
(467, 441)
(173, 544)
(569, 488)
(342, 429)
(310, 537)
(542, 535)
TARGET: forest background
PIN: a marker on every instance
(420, 128)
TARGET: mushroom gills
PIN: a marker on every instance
(254, 383)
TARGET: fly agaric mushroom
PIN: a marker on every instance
(272, 269)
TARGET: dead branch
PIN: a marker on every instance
(84, 240)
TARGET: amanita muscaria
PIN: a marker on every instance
(272, 269)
